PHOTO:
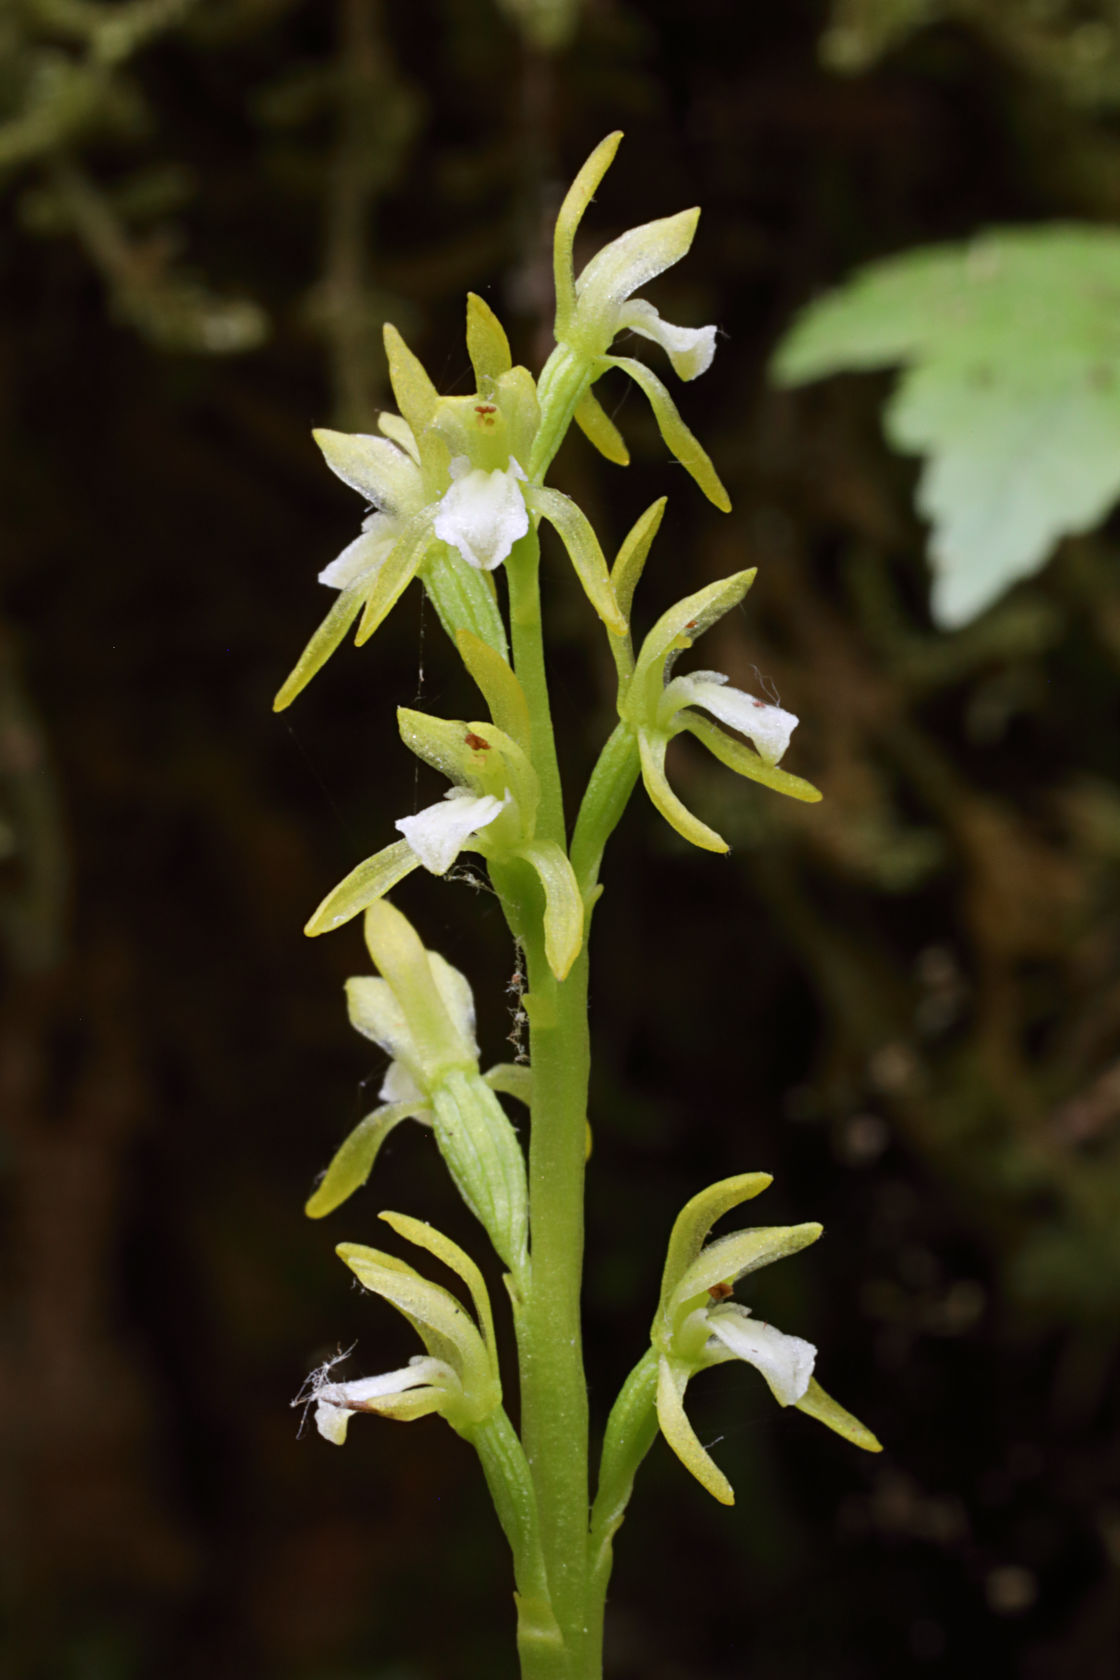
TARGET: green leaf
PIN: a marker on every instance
(1010, 347)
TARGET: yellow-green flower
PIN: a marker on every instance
(698, 1325)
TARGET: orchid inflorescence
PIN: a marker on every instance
(457, 496)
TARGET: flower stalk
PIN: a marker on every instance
(457, 497)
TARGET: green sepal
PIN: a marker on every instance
(576, 200)
(817, 1404)
(511, 1079)
(445, 1327)
(696, 1218)
(676, 436)
(322, 644)
(631, 559)
(395, 574)
(426, 1236)
(366, 883)
(600, 430)
(574, 530)
(672, 1379)
(499, 686)
(651, 752)
(492, 767)
(563, 903)
(416, 395)
(733, 1256)
(372, 466)
(487, 345)
(354, 1159)
(397, 428)
(674, 631)
(620, 269)
(400, 956)
(745, 761)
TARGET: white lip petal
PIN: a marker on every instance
(364, 556)
(769, 727)
(690, 349)
(785, 1361)
(438, 834)
(337, 1402)
(483, 513)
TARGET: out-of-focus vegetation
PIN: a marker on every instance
(904, 1001)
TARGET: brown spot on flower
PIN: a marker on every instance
(476, 743)
(720, 1291)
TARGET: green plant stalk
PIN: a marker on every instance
(553, 1388)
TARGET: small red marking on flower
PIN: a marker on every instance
(761, 704)
(720, 1291)
(486, 412)
(476, 743)
(691, 625)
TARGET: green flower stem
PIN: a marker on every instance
(553, 1389)
(611, 784)
(631, 1431)
(539, 1641)
(565, 380)
(523, 574)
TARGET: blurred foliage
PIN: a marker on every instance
(1012, 355)
(905, 1002)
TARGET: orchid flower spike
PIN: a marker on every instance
(698, 1324)
(420, 1011)
(457, 1375)
(595, 306)
(658, 707)
(444, 484)
(491, 808)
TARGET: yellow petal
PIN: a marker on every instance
(599, 429)
(631, 559)
(651, 748)
(500, 688)
(746, 762)
(416, 395)
(680, 442)
(563, 904)
(576, 200)
(487, 344)
(696, 1218)
(574, 530)
(426, 1236)
(322, 644)
(371, 880)
(354, 1159)
(672, 1380)
(817, 1404)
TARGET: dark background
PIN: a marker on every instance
(905, 1002)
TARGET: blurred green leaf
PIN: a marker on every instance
(1011, 390)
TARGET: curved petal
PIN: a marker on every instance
(744, 762)
(622, 268)
(370, 880)
(599, 429)
(675, 630)
(651, 749)
(631, 558)
(672, 1380)
(395, 575)
(785, 1361)
(337, 1402)
(354, 1160)
(427, 1237)
(576, 200)
(438, 834)
(680, 442)
(500, 688)
(572, 527)
(398, 429)
(690, 349)
(322, 644)
(360, 559)
(769, 727)
(733, 1256)
(817, 1404)
(696, 1218)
